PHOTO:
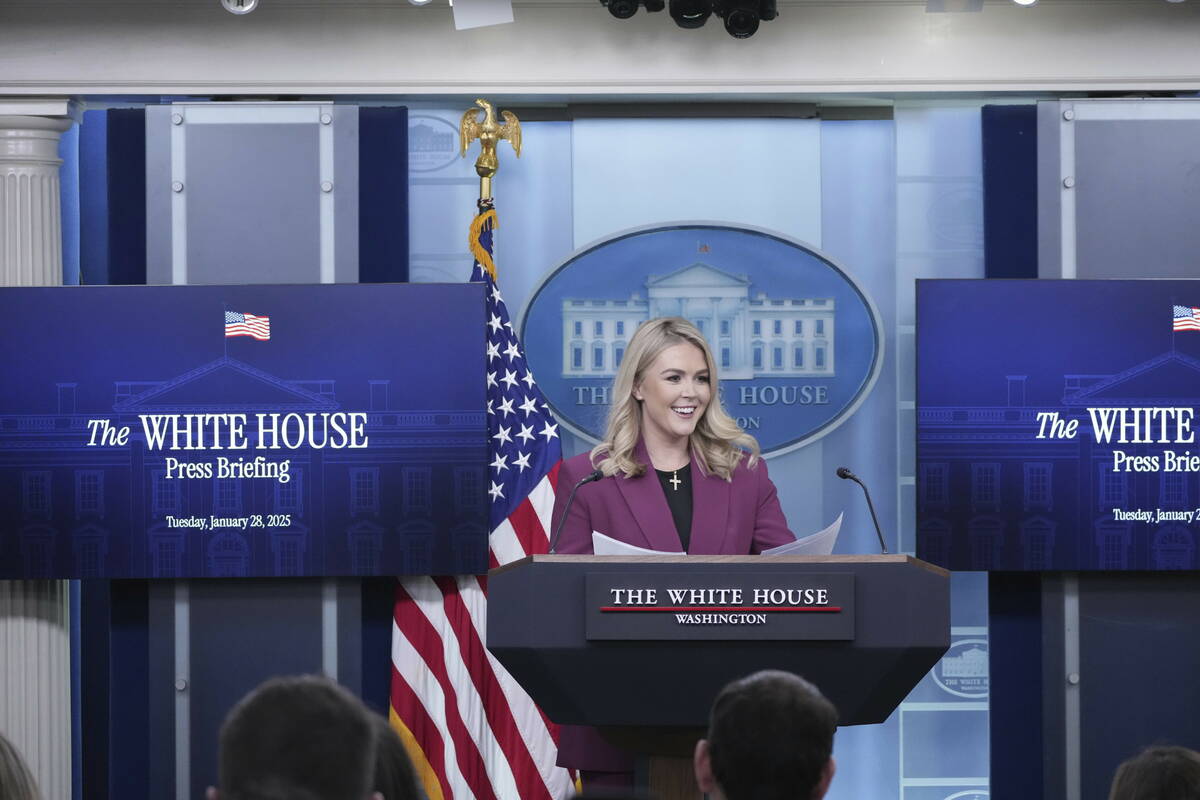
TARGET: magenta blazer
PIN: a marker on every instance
(736, 517)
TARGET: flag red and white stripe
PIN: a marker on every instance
(471, 730)
(1185, 318)
(238, 324)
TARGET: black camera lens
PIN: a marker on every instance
(741, 23)
(691, 13)
(622, 9)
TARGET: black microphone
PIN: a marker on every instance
(592, 476)
(846, 475)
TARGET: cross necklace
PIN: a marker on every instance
(675, 482)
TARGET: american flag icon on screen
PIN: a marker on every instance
(239, 324)
(1186, 319)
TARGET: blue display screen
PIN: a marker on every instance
(193, 431)
(1057, 424)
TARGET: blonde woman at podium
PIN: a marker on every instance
(679, 475)
(674, 473)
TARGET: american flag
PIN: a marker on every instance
(1186, 319)
(471, 730)
(238, 324)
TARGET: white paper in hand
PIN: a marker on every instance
(819, 544)
(607, 546)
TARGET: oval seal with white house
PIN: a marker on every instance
(963, 671)
(432, 143)
(798, 343)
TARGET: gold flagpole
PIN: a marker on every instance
(489, 132)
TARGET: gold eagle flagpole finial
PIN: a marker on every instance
(489, 132)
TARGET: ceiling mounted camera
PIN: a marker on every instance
(741, 17)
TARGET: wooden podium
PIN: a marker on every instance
(581, 635)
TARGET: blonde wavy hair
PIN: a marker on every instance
(717, 441)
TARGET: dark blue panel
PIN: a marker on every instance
(76, 625)
(382, 195)
(68, 151)
(126, 196)
(378, 598)
(243, 632)
(1010, 191)
(159, 685)
(349, 633)
(93, 198)
(1015, 671)
(129, 709)
(1138, 654)
(95, 620)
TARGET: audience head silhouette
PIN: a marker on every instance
(296, 738)
(770, 737)
(395, 778)
(1158, 773)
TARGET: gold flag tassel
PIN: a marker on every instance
(484, 220)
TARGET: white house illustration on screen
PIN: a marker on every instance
(750, 337)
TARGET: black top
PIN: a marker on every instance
(677, 486)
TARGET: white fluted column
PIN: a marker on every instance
(35, 679)
(35, 635)
(30, 211)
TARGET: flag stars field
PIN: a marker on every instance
(440, 665)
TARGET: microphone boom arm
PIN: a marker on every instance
(846, 474)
